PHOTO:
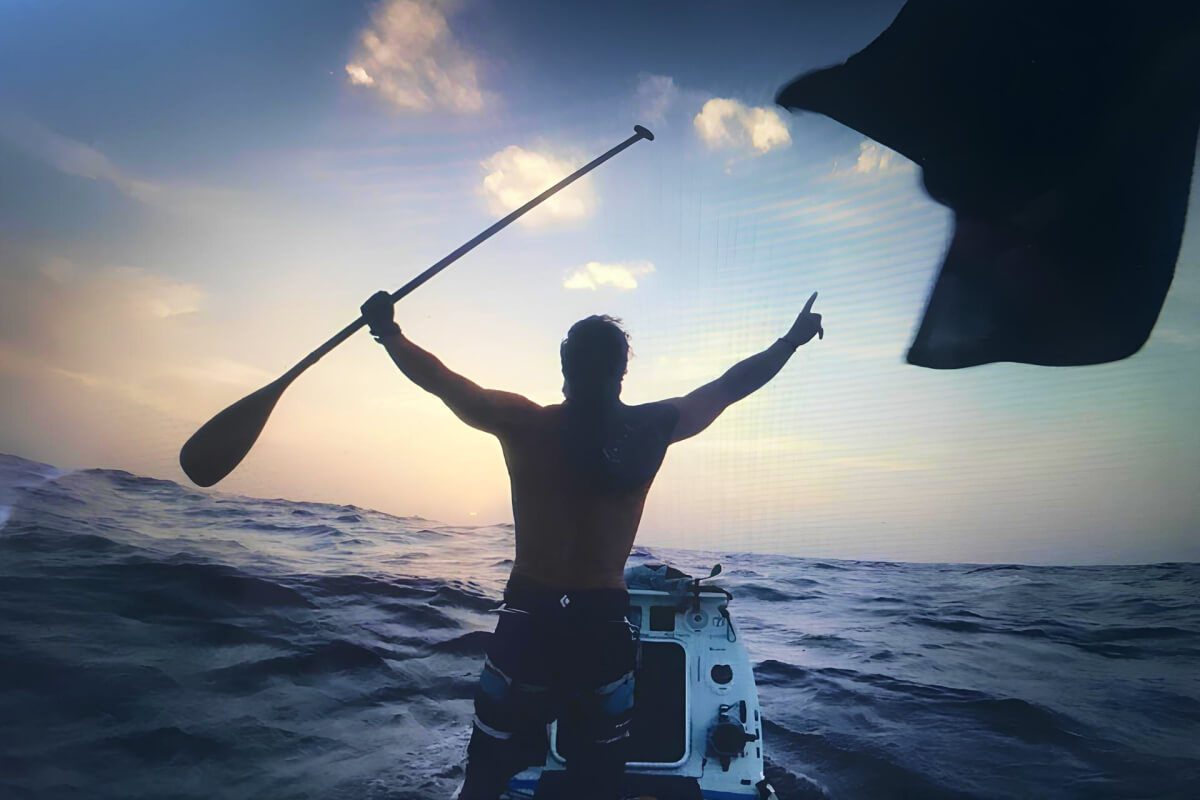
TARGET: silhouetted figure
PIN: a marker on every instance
(580, 471)
(1062, 135)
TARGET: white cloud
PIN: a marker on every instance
(724, 122)
(654, 96)
(595, 274)
(874, 159)
(516, 175)
(409, 56)
(71, 157)
(359, 76)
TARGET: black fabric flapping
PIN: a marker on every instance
(1063, 138)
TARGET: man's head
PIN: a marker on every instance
(594, 356)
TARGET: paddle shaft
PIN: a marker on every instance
(346, 332)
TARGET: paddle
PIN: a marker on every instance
(222, 442)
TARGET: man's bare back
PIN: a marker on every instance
(570, 530)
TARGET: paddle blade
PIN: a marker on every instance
(223, 441)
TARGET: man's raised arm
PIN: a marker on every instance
(699, 408)
(486, 409)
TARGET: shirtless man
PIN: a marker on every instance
(580, 471)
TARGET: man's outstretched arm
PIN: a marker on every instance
(699, 408)
(486, 409)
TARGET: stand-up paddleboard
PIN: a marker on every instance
(697, 728)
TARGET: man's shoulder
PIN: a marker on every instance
(658, 411)
(526, 415)
(653, 421)
(512, 402)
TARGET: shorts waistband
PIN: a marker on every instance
(525, 594)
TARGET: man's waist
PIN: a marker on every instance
(530, 596)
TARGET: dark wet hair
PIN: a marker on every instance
(594, 356)
(614, 448)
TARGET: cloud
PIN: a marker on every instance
(726, 123)
(594, 274)
(157, 296)
(516, 175)
(1187, 339)
(58, 300)
(109, 329)
(126, 332)
(874, 159)
(358, 75)
(80, 160)
(654, 96)
(410, 57)
(71, 157)
(55, 303)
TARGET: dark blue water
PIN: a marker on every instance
(157, 641)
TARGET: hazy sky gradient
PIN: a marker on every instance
(194, 195)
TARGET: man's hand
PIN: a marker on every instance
(806, 326)
(379, 312)
(699, 408)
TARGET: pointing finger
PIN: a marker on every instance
(809, 304)
(820, 333)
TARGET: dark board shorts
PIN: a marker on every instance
(558, 654)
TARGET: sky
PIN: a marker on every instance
(194, 195)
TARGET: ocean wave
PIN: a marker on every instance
(317, 530)
(1133, 633)
(459, 596)
(996, 568)
(829, 640)
(31, 538)
(769, 594)
(127, 480)
(793, 785)
(954, 625)
(170, 743)
(862, 769)
(365, 587)
(206, 584)
(334, 657)
(473, 643)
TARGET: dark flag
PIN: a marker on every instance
(1062, 135)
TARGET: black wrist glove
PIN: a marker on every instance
(379, 313)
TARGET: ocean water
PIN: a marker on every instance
(157, 641)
